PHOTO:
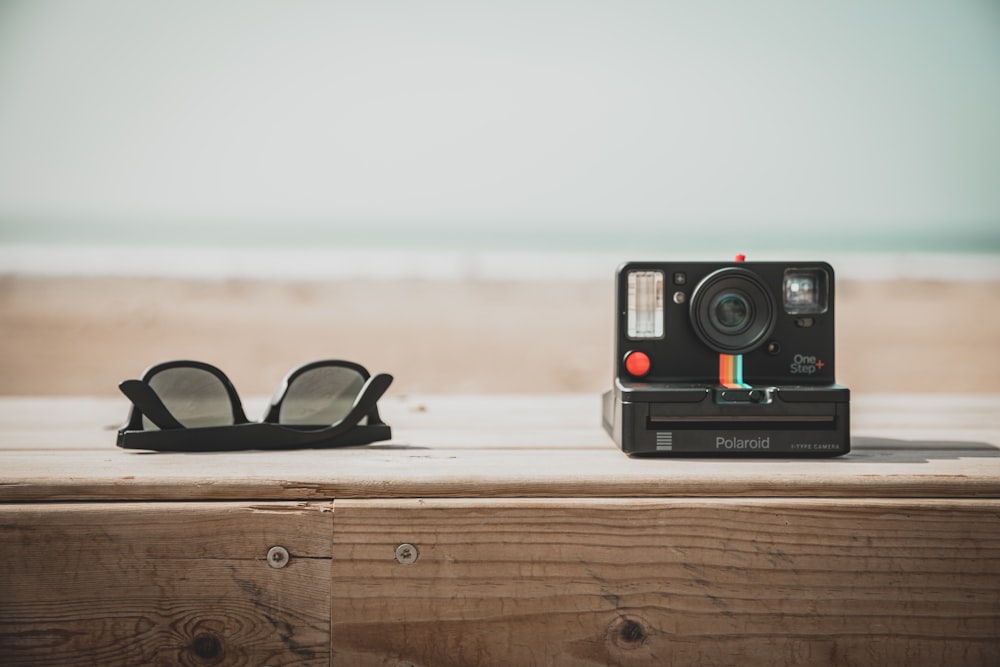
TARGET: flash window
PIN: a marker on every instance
(645, 304)
(805, 291)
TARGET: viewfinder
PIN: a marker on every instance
(805, 291)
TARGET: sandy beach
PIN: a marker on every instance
(81, 336)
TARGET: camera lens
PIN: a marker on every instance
(732, 310)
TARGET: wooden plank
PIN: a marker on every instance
(500, 421)
(513, 446)
(164, 584)
(407, 472)
(667, 582)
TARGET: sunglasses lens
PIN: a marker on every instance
(321, 396)
(195, 397)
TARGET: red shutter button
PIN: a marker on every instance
(637, 364)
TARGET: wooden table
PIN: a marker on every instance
(501, 531)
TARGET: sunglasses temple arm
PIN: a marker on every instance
(149, 404)
(368, 397)
(370, 392)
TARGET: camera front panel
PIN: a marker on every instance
(706, 323)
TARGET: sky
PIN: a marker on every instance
(576, 123)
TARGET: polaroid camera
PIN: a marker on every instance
(726, 359)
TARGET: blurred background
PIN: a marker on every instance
(442, 190)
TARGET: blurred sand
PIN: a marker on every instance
(82, 336)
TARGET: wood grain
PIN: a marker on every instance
(164, 584)
(539, 543)
(667, 582)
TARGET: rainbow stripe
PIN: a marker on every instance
(731, 371)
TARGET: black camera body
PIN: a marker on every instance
(731, 358)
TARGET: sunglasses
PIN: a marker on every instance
(190, 406)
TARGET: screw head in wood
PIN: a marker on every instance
(407, 554)
(277, 557)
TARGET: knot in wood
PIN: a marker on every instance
(207, 646)
(631, 632)
(628, 633)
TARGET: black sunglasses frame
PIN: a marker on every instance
(244, 434)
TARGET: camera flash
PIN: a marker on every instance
(645, 304)
(805, 291)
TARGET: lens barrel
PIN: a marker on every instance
(732, 311)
